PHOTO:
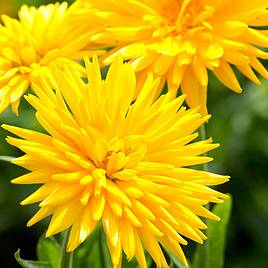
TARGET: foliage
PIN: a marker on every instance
(211, 254)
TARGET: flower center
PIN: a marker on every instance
(114, 161)
(121, 154)
(21, 52)
(187, 15)
(171, 11)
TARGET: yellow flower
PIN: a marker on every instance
(180, 40)
(105, 158)
(29, 44)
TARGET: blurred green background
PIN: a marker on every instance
(239, 123)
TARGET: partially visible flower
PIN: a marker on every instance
(27, 46)
(180, 40)
(105, 158)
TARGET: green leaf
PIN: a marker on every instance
(211, 254)
(133, 263)
(31, 264)
(105, 255)
(87, 255)
(148, 260)
(200, 259)
(49, 250)
(175, 261)
(129, 264)
(217, 234)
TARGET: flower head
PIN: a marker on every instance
(30, 43)
(180, 40)
(127, 164)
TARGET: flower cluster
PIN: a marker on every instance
(117, 150)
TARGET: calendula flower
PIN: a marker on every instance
(30, 43)
(127, 164)
(180, 40)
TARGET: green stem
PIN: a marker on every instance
(71, 255)
(203, 136)
(101, 248)
(66, 258)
